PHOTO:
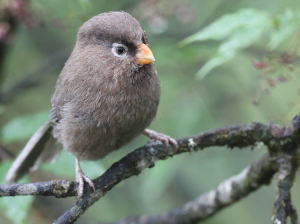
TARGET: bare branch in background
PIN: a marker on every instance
(206, 205)
(280, 142)
(283, 206)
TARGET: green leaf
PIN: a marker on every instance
(23, 127)
(238, 31)
(14, 208)
(212, 63)
(242, 38)
(287, 24)
(65, 167)
(228, 24)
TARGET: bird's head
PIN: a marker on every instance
(119, 39)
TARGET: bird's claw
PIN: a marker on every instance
(80, 178)
(161, 137)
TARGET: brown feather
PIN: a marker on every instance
(103, 101)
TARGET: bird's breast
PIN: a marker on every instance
(99, 122)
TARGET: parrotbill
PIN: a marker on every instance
(105, 96)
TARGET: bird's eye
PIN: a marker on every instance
(120, 50)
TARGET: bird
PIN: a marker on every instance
(106, 95)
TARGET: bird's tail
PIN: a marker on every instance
(38, 149)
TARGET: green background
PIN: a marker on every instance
(188, 106)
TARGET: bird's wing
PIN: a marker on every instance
(53, 118)
(61, 96)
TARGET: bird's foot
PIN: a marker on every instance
(80, 178)
(161, 137)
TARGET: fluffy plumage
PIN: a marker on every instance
(106, 95)
(101, 101)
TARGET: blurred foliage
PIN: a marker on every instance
(2, 109)
(257, 40)
(22, 127)
(241, 29)
(65, 166)
(15, 208)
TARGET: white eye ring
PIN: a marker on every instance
(119, 50)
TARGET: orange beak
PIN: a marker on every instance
(144, 56)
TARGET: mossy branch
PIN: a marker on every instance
(280, 142)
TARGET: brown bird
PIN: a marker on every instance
(106, 95)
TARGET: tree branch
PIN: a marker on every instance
(57, 188)
(135, 162)
(283, 206)
(228, 192)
